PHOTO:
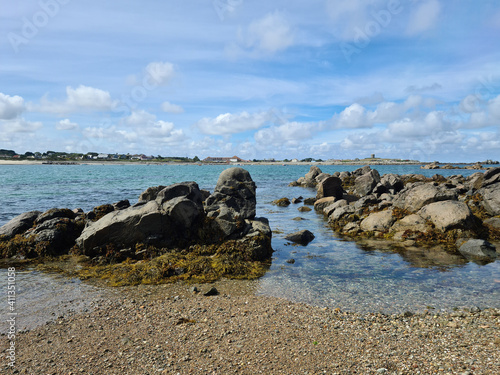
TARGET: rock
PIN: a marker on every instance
(233, 200)
(298, 218)
(282, 202)
(322, 203)
(330, 187)
(411, 222)
(332, 207)
(150, 193)
(392, 182)
(448, 215)
(351, 228)
(491, 199)
(296, 200)
(211, 292)
(493, 222)
(366, 201)
(491, 176)
(378, 221)
(304, 209)
(56, 235)
(414, 198)
(188, 190)
(361, 171)
(309, 201)
(365, 183)
(341, 211)
(121, 205)
(478, 249)
(310, 177)
(475, 181)
(344, 175)
(291, 261)
(430, 166)
(302, 237)
(19, 224)
(55, 213)
(321, 177)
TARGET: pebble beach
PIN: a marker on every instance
(172, 329)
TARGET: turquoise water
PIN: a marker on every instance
(328, 272)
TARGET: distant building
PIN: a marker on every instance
(234, 159)
(295, 160)
(102, 156)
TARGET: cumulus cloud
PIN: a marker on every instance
(354, 116)
(83, 98)
(66, 124)
(289, 132)
(229, 123)
(424, 17)
(145, 124)
(10, 106)
(171, 108)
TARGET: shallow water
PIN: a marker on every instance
(328, 272)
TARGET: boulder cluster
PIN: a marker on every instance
(179, 216)
(459, 213)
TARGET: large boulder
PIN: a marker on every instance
(491, 176)
(365, 183)
(330, 187)
(232, 201)
(491, 199)
(416, 197)
(378, 221)
(172, 218)
(19, 224)
(150, 193)
(392, 181)
(411, 222)
(448, 215)
(310, 177)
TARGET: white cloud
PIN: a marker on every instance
(171, 108)
(354, 116)
(83, 98)
(270, 34)
(424, 17)
(290, 132)
(139, 118)
(20, 125)
(10, 106)
(66, 124)
(228, 123)
(160, 72)
(145, 124)
(494, 108)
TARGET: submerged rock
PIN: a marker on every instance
(302, 237)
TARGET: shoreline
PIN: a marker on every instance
(168, 330)
(146, 163)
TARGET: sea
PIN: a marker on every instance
(330, 271)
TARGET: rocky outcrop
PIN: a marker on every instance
(329, 187)
(414, 210)
(165, 218)
(19, 224)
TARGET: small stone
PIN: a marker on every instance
(194, 290)
(382, 370)
(304, 209)
(211, 292)
(291, 261)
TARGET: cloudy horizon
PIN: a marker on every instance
(329, 79)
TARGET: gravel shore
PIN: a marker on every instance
(170, 329)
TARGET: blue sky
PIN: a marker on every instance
(330, 79)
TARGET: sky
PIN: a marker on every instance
(327, 79)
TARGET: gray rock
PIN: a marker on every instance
(392, 182)
(235, 190)
(416, 197)
(150, 193)
(491, 199)
(332, 207)
(341, 211)
(366, 201)
(378, 221)
(493, 222)
(19, 224)
(321, 177)
(55, 213)
(188, 190)
(478, 249)
(330, 187)
(361, 171)
(302, 237)
(411, 222)
(322, 203)
(365, 183)
(491, 176)
(309, 201)
(310, 177)
(121, 205)
(448, 215)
